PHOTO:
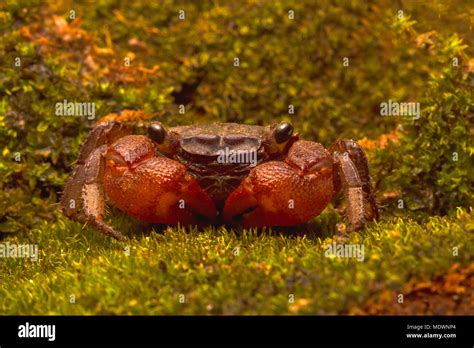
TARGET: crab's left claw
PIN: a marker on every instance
(284, 193)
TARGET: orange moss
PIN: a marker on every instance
(381, 142)
(58, 37)
(128, 116)
(429, 297)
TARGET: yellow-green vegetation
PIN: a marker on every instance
(144, 56)
(220, 271)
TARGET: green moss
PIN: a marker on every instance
(433, 162)
(205, 268)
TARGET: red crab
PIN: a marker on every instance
(222, 172)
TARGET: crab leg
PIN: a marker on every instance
(83, 198)
(93, 193)
(358, 158)
(352, 187)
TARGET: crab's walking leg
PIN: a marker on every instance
(83, 199)
(352, 187)
(93, 193)
(359, 159)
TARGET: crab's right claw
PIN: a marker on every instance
(153, 188)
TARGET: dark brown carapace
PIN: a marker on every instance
(216, 173)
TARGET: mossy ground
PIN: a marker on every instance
(422, 169)
(222, 271)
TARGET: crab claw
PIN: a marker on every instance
(154, 188)
(284, 193)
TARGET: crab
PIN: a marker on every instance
(227, 173)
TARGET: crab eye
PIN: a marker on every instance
(283, 132)
(157, 133)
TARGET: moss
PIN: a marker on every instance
(431, 163)
(223, 271)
